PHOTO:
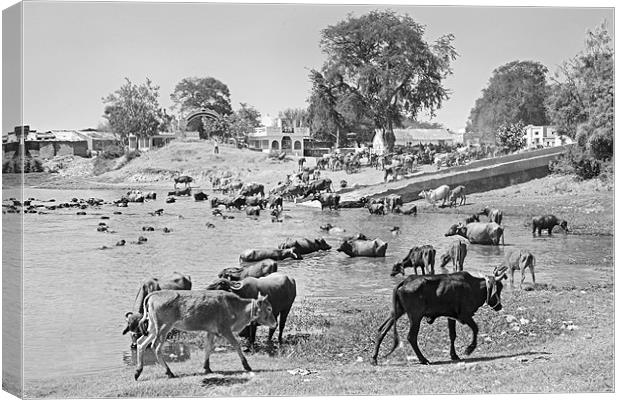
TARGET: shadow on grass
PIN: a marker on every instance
(490, 358)
(223, 381)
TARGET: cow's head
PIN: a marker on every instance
(457, 229)
(484, 211)
(326, 227)
(263, 314)
(564, 225)
(323, 245)
(346, 247)
(398, 268)
(494, 287)
(133, 326)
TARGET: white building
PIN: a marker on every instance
(544, 136)
(289, 140)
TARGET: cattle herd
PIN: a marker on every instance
(255, 293)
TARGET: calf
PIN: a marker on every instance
(218, 312)
(518, 259)
(422, 256)
(457, 193)
(547, 222)
(456, 296)
(456, 253)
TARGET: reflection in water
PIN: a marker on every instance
(172, 352)
(59, 320)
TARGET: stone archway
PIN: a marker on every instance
(287, 144)
(275, 145)
(205, 112)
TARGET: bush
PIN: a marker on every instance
(130, 155)
(112, 151)
(576, 161)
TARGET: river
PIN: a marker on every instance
(76, 295)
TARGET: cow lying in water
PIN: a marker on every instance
(364, 248)
(305, 246)
(181, 192)
(260, 269)
(274, 254)
(218, 312)
(176, 282)
(422, 256)
(456, 296)
(519, 260)
(547, 222)
(280, 289)
(478, 232)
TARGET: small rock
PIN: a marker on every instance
(511, 318)
(524, 321)
(359, 359)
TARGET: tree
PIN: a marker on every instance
(415, 124)
(382, 60)
(325, 120)
(193, 94)
(294, 117)
(243, 121)
(516, 92)
(512, 136)
(134, 109)
(581, 104)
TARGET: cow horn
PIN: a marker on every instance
(235, 285)
(127, 314)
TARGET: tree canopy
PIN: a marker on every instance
(581, 104)
(134, 109)
(380, 66)
(516, 92)
(243, 121)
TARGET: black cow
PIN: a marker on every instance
(419, 256)
(181, 192)
(182, 179)
(250, 189)
(318, 186)
(457, 296)
(329, 200)
(200, 196)
(547, 222)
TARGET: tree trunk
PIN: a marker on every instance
(389, 138)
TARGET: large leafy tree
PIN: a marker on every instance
(516, 92)
(294, 115)
(512, 136)
(382, 65)
(193, 94)
(581, 104)
(243, 121)
(134, 109)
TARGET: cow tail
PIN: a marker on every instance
(394, 318)
(142, 324)
(503, 234)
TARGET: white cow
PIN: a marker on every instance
(441, 193)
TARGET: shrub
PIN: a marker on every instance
(130, 155)
(577, 161)
(112, 151)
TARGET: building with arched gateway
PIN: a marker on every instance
(280, 139)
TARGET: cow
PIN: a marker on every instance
(518, 259)
(275, 202)
(150, 196)
(274, 254)
(228, 202)
(280, 289)
(305, 246)
(252, 211)
(254, 201)
(457, 193)
(456, 296)
(318, 186)
(419, 256)
(456, 253)
(364, 248)
(200, 196)
(409, 210)
(494, 214)
(432, 196)
(478, 232)
(176, 282)
(547, 222)
(181, 192)
(376, 209)
(393, 201)
(329, 200)
(300, 163)
(257, 270)
(218, 312)
(472, 218)
(182, 179)
(250, 189)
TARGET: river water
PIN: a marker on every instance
(75, 295)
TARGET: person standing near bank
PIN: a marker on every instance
(216, 149)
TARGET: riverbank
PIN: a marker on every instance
(547, 340)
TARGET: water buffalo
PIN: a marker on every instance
(409, 210)
(441, 193)
(250, 189)
(457, 193)
(280, 289)
(274, 254)
(329, 200)
(218, 312)
(257, 270)
(364, 248)
(318, 186)
(478, 232)
(393, 201)
(547, 222)
(472, 218)
(419, 256)
(518, 259)
(181, 192)
(252, 211)
(494, 214)
(305, 246)
(176, 282)
(456, 253)
(275, 202)
(182, 179)
(200, 196)
(456, 296)
(376, 209)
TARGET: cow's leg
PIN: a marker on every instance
(143, 343)
(282, 323)
(533, 276)
(227, 333)
(512, 277)
(549, 230)
(208, 349)
(534, 230)
(157, 345)
(469, 321)
(452, 331)
(413, 338)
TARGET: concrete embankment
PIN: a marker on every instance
(479, 176)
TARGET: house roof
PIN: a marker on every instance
(414, 135)
(95, 134)
(56, 135)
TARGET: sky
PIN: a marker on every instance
(76, 53)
